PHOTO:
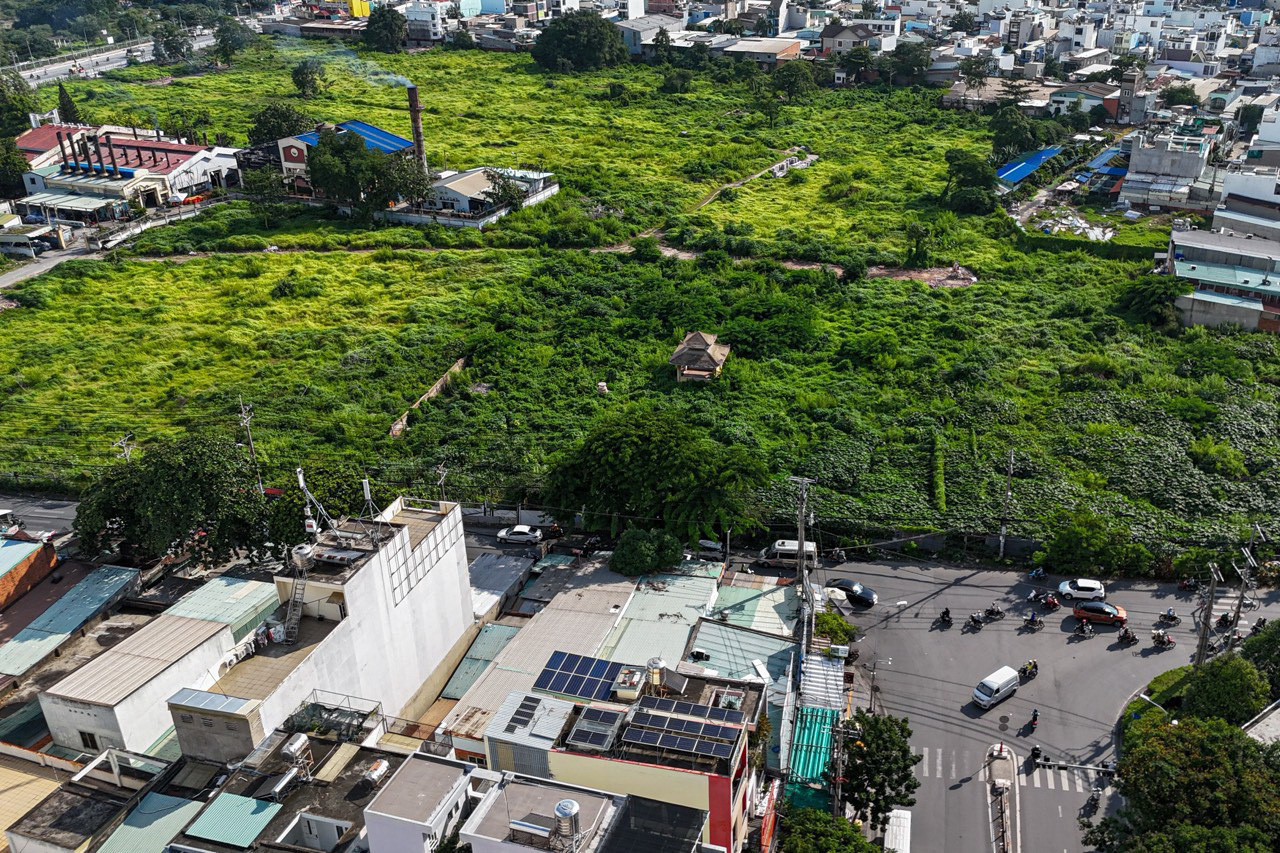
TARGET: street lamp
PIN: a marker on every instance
(1145, 698)
(871, 698)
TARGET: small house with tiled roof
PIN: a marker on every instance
(699, 357)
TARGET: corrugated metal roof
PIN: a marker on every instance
(576, 621)
(242, 604)
(13, 552)
(548, 720)
(659, 618)
(486, 646)
(64, 617)
(234, 820)
(374, 137)
(772, 608)
(122, 669)
(811, 746)
(493, 577)
(151, 825)
(822, 683)
(731, 650)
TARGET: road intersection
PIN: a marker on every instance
(1081, 688)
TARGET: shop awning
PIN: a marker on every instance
(67, 201)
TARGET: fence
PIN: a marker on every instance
(112, 237)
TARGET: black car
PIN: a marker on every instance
(856, 592)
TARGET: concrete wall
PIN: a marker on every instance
(229, 738)
(1200, 312)
(385, 650)
(1158, 160)
(141, 718)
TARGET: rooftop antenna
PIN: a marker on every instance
(311, 525)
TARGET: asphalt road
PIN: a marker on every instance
(1081, 688)
(41, 513)
(93, 66)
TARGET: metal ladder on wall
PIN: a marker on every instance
(294, 615)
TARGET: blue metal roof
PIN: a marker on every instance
(374, 137)
(1104, 158)
(491, 640)
(64, 617)
(151, 825)
(1021, 168)
(234, 820)
(1113, 171)
(13, 552)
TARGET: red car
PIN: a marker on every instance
(1100, 611)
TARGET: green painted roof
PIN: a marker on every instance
(491, 640)
(811, 744)
(234, 820)
(151, 825)
(237, 602)
(731, 650)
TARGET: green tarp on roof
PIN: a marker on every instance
(810, 756)
(491, 640)
(234, 820)
(151, 825)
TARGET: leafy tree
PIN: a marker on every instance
(579, 41)
(1098, 115)
(266, 191)
(817, 831)
(1218, 457)
(677, 81)
(973, 71)
(1150, 299)
(278, 121)
(1263, 651)
(662, 46)
(1249, 117)
(855, 62)
(347, 172)
(1227, 687)
(504, 190)
(17, 102)
(870, 8)
(1182, 94)
(461, 40)
(965, 169)
(834, 627)
(197, 494)
(768, 105)
(877, 771)
(972, 200)
(1013, 91)
(308, 77)
(170, 42)
(918, 238)
(1053, 68)
(67, 109)
(911, 60)
(1201, 773)
(1083, 542)
(230, 38)
(642, 461)
(386, 30)
(1013, 132)
(794, 80)
(643, 552)
(12, 167)
(964, 22)
(335, 485)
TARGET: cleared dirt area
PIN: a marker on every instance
(953, 276)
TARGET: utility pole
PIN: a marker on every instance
(126, 446)
(1004, 513)
(1244, 584)
(806, 597)
(1206, 615)
(246, 418)
(444, 472)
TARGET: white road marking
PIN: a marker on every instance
(1066, 780)
(1079, 784)
(953, 764)
(1048, 775)
(938, 766)
(1035, 777)
(924, 765)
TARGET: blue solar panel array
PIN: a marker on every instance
(577, 675)
(648, 737)
(691, 709)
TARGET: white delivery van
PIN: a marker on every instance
(996, 687)
(784, 553)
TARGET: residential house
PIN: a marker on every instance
(469, 193)
(1237, 279)
(766, 52)
(635, 32)
(294, 150)
(699, 357)
(1087, 96)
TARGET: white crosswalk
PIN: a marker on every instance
(945, 764)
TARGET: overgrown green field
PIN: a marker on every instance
(902, 401)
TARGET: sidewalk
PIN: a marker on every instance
(1003, 816)
(43, 264)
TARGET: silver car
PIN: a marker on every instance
(1083, 588)
(523, 534)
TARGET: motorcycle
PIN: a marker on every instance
(1035, 574)
(944, 618)
(1170, 618)
(1084, 629)
(1258, 625)
(1188, 584)
(1051, 602)
(975, 621)
(1036, 597)
(994, 612)
(1127, 637)
(1036, 752)
(1035, 718)
(1161, 638)
(1032, 622)
(1029, 670)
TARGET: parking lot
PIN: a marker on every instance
(928, 673)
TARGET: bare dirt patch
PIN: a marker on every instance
(952, 276)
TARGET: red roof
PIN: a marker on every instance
(146, 154)
(38, 140)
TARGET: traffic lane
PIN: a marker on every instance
(41, 513)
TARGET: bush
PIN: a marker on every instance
(1228, 687)
(834, 627)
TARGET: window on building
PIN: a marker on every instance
(89, 741)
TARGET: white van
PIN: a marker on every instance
(996, 687)
(784, 554)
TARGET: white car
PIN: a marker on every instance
(1082, 588)
(522, 533)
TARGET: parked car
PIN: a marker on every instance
(523, 534)
(1082, 588)
(1101, 612)
(854, 591)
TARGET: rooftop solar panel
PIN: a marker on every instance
(578, 675)
(692, 709)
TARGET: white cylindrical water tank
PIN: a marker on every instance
(567, 819)
(377, 771)
(655, 667)
(295, 746)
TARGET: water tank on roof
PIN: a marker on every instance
(296, 746)
(567, 819)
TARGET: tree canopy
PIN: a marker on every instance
(386, 30)
(641, 552)
(1263, 651)
(579, 41)
(1182, 94)
(12, 167)
(794, 80)
(170, 42)
(68, 111)
(816, 831)
(197, 494)
(878, 761)
(17, 101)
(348, 172)
(1228, 687)
(278, 121)
(308, 77)
(230, 38)
(650, 464)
